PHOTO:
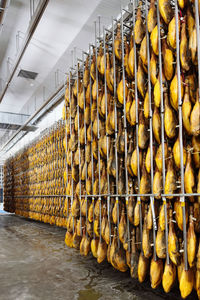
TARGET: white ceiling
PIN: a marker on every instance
(54, 33)
(64, 25)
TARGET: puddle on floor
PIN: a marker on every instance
(88, 294)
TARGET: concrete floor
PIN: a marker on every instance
(36, 264)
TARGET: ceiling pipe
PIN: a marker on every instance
(3, 4)
(3, 7)
(32, 27)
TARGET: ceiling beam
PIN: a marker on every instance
(8, 126)
(31, 29)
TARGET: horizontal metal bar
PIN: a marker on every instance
(181, 195)
(143, 195)
(38, 196)
(13, 126)
(117, 195)
(42, 213)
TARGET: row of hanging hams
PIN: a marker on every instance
(8, 201)
(35, 172)
(102, 218)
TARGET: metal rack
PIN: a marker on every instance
(117, 196)
(126, 18)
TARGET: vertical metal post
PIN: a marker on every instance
(182, 199)
(92, 159)
(98, 133)
(85, 129)
(125, 130)
(107, 137)
(151, 135)
(65, 105)
(198, 40)
(137, 126)
(116, 128)
(79, 146)
(72, 188)
(162, 132)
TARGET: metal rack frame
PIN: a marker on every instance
(126, 195)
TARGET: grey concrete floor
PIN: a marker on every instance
(36, 264)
